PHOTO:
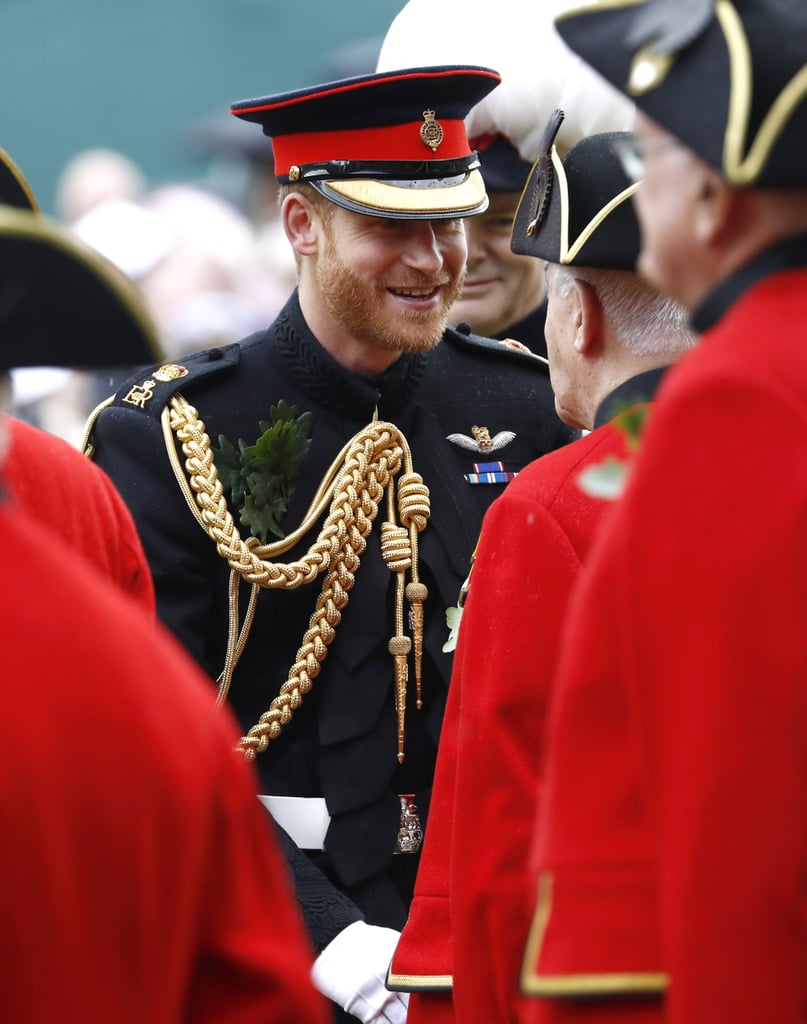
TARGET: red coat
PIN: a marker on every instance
(77, 504)
(140, 882)
(672, 846)
(470, 911)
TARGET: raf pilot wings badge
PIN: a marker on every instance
(483, 444)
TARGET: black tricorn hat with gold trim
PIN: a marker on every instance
(578, 210)
(727, 77)
(61, 302)
(389, 144)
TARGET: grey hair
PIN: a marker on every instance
(646, 322)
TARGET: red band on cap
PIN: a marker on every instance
(386, 143)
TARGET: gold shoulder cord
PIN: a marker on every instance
(87, 447)
(354, 486)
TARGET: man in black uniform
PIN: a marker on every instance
(226, 462)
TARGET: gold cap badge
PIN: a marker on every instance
(431, 131)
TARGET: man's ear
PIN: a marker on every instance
(713, 214)
(301, 223)
(588, 319)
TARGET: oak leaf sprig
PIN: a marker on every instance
(260, 478)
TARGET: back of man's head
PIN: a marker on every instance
(650, 326)
(577, 215)
(605, 324)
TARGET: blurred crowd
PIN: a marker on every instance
(208, 256)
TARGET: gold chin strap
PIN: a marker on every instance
(352, 489)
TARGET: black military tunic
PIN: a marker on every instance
(341, 744)
(529, 330)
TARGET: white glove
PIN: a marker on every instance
(352, 971)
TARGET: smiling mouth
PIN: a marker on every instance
(415, 293)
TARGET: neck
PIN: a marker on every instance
(619, 375)
(350, 352)
(758, 221)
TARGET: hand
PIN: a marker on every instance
(352, 970)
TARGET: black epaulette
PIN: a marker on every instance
(150, 388)
(507, 348)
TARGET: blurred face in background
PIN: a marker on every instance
(667, 205)
(500, 287)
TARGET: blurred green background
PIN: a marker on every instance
(140, 78)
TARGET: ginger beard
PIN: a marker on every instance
(364, 307)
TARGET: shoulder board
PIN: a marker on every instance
(151, 387)
(508, 348)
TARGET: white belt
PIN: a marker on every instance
(305, 819)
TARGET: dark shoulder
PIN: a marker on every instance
(149, 389)
(508, 353)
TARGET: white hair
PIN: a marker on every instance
(646, 322)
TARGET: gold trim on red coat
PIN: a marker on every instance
(419, 982)
(534, 983)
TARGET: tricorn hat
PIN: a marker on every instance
(578, 210)
(391, 144)
(727, 77)
(61, 302)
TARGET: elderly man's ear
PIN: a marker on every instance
(588, 319)
(714, 202)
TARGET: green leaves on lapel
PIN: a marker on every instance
(260, 478)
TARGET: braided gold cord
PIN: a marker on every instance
(356, 484)
(243, 556)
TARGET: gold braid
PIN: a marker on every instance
(354, 486)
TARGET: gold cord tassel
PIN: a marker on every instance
(416, 594)
(399, 647)
(397, 554)
(414, 501)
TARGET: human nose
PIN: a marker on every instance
(423, 251)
